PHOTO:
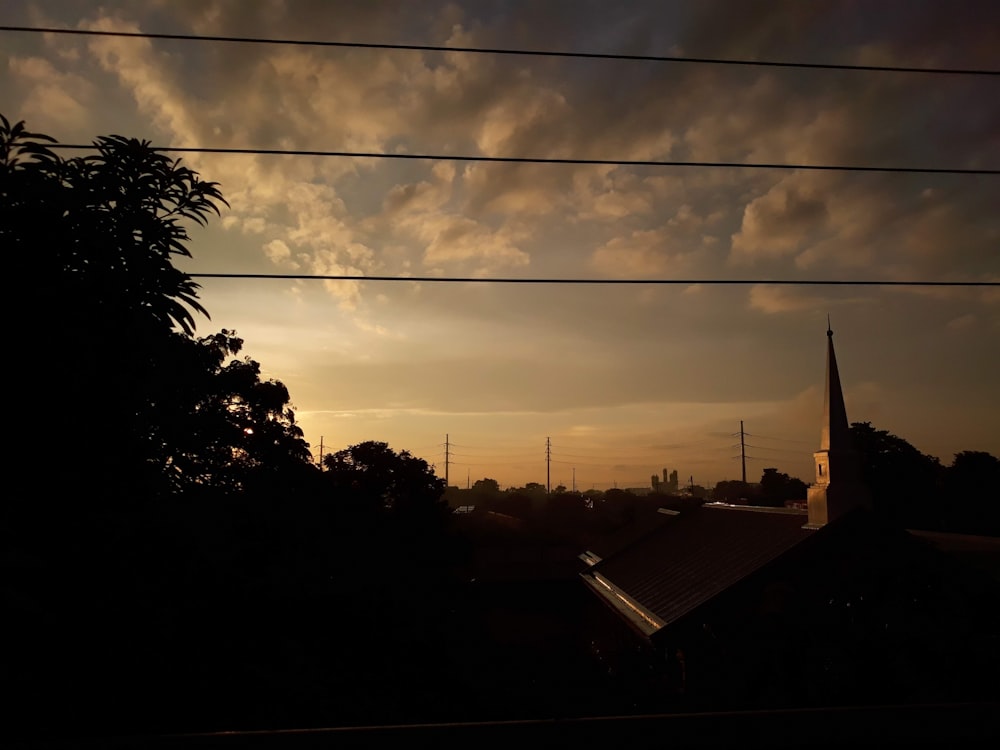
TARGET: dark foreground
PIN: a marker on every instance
(883, 725)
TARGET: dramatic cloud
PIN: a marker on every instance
(52, 93)
(781, 222)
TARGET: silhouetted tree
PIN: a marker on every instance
(486, 485)
(776, 488)
(101, 231)
(534, 488)
(383, 484)
(147, 409)
(972, 489)
(905, 483)
(217, 424)
(564, 512)
(97, 236)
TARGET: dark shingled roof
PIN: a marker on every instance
(693, 557)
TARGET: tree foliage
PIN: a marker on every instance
(903, 481)
(913, 489)
(777, 488)
(218, 424)
(386, 484)
(486, 485)
(103, 230)
(972, 486)
(147, 408)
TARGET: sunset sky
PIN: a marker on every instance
(624, 380)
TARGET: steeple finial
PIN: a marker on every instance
(829, 330)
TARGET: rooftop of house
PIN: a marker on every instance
(692, 556)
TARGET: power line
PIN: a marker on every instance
(784, 440)
(801, 452)
(515, 458)
(643, 458)
(546, 160)
(490, 465)
(618, 465)
(517, 280)
(502, 51)
(671, 446)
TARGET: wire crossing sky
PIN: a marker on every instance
(672, 282)
(540, 160)
(499, 51)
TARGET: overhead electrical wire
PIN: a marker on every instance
(800, 452)
(515, 458)
(642, 458)
(768, 437)
(546, 160)
(517, 280)
(503, 51)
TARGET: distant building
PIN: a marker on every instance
(747, 606)
(669, 485)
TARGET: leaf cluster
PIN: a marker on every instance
(372, 475)
(102, 231)
(216, 424)
(152, 410)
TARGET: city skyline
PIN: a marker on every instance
(624, 380)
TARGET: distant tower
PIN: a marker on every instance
(838, 487)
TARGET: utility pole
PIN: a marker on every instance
(548, 465)
(320, 453)
(574, 479)
(743, 453)
(447, 458)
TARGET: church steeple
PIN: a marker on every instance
(835, 432)
(837, 488)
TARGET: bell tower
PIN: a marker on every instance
(838, 487)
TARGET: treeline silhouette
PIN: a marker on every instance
(915, 490)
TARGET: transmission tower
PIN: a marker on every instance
(743, 453)
(447, 459)
(548, 465)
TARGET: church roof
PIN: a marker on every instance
(691, 558)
